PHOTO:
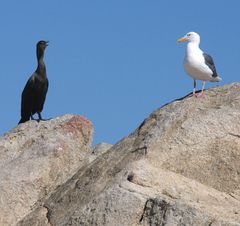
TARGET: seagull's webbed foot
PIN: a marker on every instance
(192, 95)
(201, 94)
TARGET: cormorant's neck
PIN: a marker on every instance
(41, 65)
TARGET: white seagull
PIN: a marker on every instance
(197, 64)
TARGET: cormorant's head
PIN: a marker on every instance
(42, 45)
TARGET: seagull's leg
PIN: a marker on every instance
(194, 88)
(201, 93)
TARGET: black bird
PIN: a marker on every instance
(34, 92)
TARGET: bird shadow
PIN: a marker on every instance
(189, 95)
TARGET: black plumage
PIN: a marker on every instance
(34, 92)
(209, 62)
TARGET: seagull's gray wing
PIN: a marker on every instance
(209, 62)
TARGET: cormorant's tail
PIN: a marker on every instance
(23, 119)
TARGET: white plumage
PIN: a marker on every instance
(197, 64)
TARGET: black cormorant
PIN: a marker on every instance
(34, 92)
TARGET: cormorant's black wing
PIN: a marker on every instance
(27, 98)
(42, 97)
(209, 62)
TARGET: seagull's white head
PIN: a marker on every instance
(190, 37)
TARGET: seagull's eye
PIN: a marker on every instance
(188, 34)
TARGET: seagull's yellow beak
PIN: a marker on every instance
(181, 39)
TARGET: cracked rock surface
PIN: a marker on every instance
(35, 159)
(179, 167)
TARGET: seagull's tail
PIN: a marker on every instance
(216, 79)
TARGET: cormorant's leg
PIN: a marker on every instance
(201, 93)
(32, 117)
(39, 116)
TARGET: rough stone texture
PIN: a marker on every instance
(101, 148)
(35, 158)
(98, 150)
(180, 167)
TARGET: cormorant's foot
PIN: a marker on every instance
(42, 119)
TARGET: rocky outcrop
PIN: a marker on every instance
(180, 167)
(101, 148)
(36, 158)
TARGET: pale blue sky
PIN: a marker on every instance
(111, 61)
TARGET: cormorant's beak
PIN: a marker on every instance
(47, 43)
(181, 39)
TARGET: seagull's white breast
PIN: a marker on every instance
(194, 63)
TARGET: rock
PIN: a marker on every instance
(101, 148)
(36, 158)
(180, 167)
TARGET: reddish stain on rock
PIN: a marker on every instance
(79, 127)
